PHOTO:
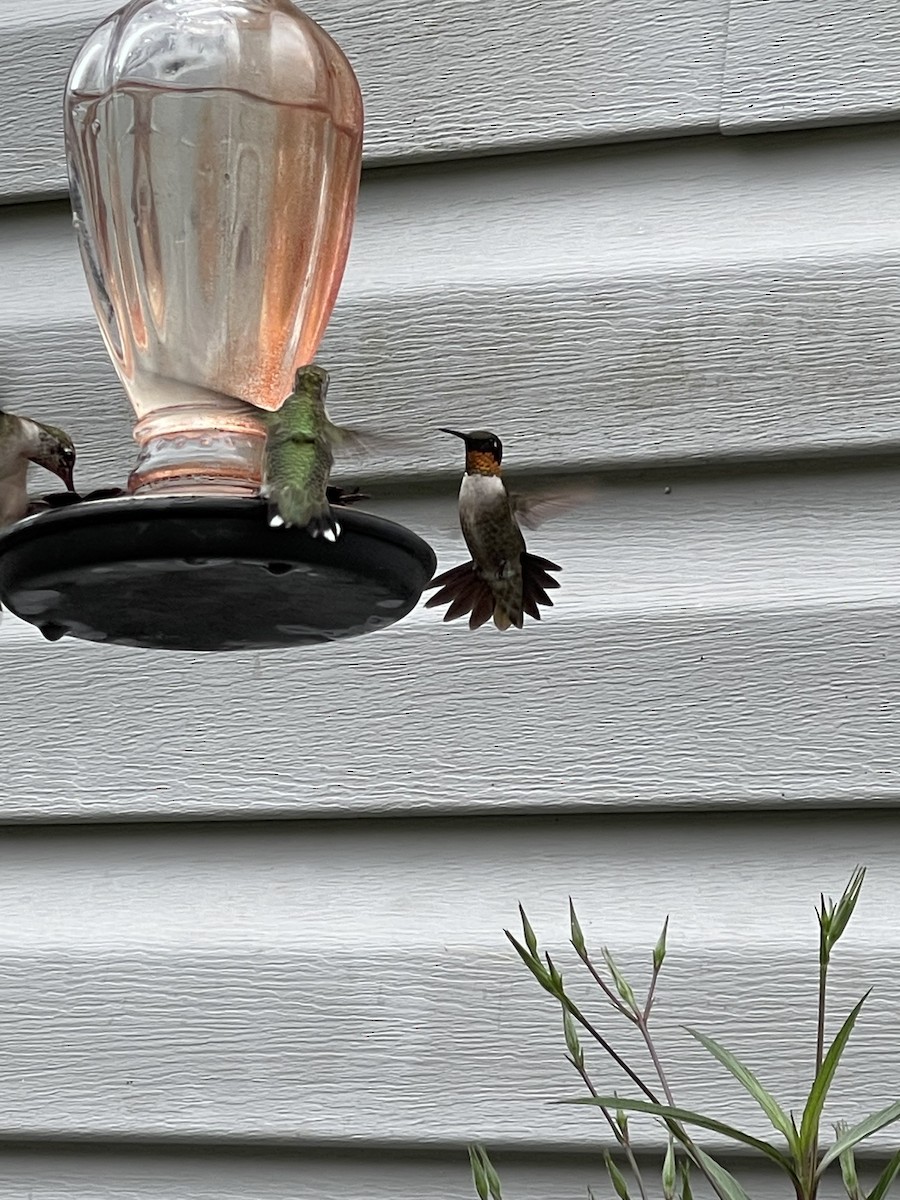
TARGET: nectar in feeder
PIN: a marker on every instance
(214, 152)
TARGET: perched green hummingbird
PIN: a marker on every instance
(503, 580)
(300, 440)
(24, 441)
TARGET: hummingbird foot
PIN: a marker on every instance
(324, 525)
(320, 524)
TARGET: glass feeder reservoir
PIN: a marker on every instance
(214, 157)
(214, 151)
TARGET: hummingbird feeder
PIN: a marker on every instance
(214, 151)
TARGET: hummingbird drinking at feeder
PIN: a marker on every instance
(503, 580)
(24, 441)
(300, 440)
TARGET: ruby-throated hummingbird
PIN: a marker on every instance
(24, 441)
(300, 440)
(503, 580)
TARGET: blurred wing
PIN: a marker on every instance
(533, 511)
(366, 441)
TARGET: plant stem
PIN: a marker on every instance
(820, 1022)
(686, 1140)
(620, 1137)
(654, 1056)
(604, 1045)
(651, 993)
(606, 989)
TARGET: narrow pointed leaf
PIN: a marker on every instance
(487, 1183)
(555, 976)
(751, 1084)
(534, 965)
(573, 1045)
(850, 1177)
(530, 939)
(686, 1192)
(479, 1178)
(812, 1113)
(659, 950)
(885, 1179)
(493, 1178)
(623, 987)
(576, 932)
(851, 1137)
(843, 910)
(725, 1182)
(616, 1178)
(668, 1171)
(686, 1117)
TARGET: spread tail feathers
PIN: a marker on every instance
(466, 591)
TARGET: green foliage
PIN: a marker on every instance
(796, 1151)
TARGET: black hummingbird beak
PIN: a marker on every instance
(454, 432)
(66, 473)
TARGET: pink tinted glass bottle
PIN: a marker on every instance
(214, 152)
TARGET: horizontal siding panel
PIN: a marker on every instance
(805, 62)
(676, 302)
(732, 643)
(171, 1173)
(345, 983)
(437, 81)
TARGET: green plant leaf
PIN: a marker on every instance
(534, 965)
(851, 1137)
(669, 1114)
(751, 1084)
(724, 1180)
(686, 1192)
(485, 1178)
(573, 1045)
(616, 1178)
(850, 1178)
(576, 932)
(659, 950)
(556, 980)
(668, 1171)
(479, 1178)
(812, 1113)
(840, 914)
(885, 1179)
(528, 932)
(492, 1177)
(623, 987)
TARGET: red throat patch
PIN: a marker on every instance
(479, 462)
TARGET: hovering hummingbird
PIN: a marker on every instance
(22, 441)
(503, 580)
(299, 456)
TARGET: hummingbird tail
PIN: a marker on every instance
(508, 602)
(524, 599)
(466, 592)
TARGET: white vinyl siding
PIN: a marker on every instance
(252, 905)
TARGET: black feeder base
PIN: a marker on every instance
(191, 573)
